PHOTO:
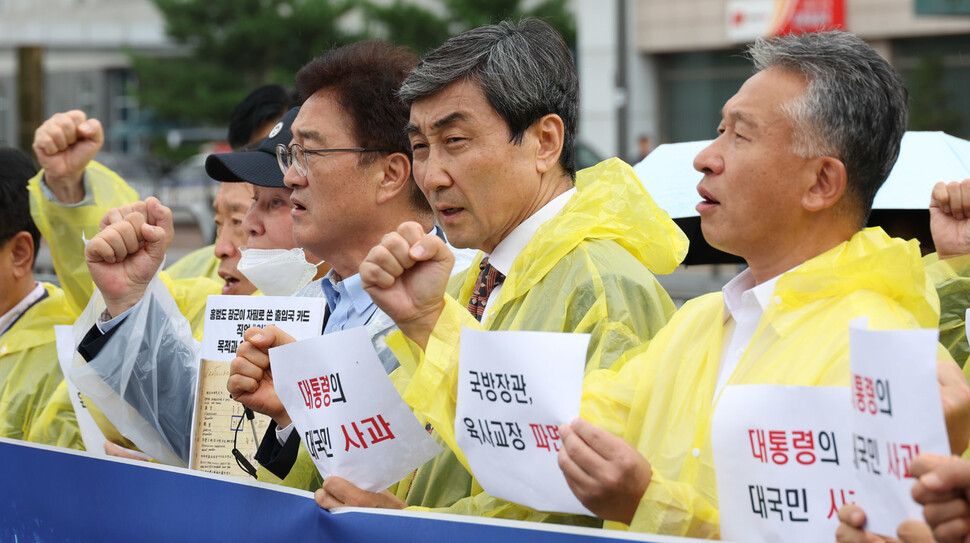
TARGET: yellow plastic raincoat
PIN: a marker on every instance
(29, 371)
(662, 401)
(62, 227)
(952, 280)
(590, 270)
(56, 424)
(199, 263)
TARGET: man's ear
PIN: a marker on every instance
(22, 252)
(829, 184)
(397, 176)
(551, 135)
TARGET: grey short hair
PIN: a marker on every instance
(525, 71)
(855, 108)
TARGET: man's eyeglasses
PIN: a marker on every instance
(296, 155)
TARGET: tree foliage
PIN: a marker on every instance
(424, 27)
(228, 47)
(231, 47)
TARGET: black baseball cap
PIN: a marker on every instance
(258, 167)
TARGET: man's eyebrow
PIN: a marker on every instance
(740, 117)
(450, 119)
(230, 208)
(308, 134)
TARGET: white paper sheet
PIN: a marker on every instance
(514, 390)
(787, 458)
(92, 436)
(348, 413)
(897, 413)
(780, 454)
(228, 317)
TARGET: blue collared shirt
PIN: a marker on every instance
(349, 304)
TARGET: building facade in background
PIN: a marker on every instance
(84, 61)
(682, 59)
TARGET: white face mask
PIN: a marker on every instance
(276, 272)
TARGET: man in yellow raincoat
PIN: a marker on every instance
(29, 310)
(492, 126)
(804, 145)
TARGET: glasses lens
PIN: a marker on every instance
(282, 158)
(299, 159)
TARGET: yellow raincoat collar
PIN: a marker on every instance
(610, 203)
(870, 260)
(35, 327)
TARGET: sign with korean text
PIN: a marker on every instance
(783, 461)
(787, 458)
(746, 20)
(897, 413)
(219, 420)
(347, 412)
(514, 390)
(228, 317)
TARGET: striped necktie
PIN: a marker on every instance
(488, 279)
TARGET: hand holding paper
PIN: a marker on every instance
(955, 393)
(250, 378)
(339, 492)
(943, 488)
(113, 449)
(852, 519)
(607, 474)
(406, 276)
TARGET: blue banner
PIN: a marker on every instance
(53, 495)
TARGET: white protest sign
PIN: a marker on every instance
(347, 411)
(514, 390)
(218, 421)
(787, 458)
(228, 317)
(779, 456)
(92, 436)
(897, 413)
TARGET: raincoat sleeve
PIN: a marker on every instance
(673, 508)
(668, 507)
(144, 377)
(431, 390)
(62, 226)
(56, 424)
(199, 263)
(952, 280)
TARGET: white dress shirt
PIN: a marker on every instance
(744, 304)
